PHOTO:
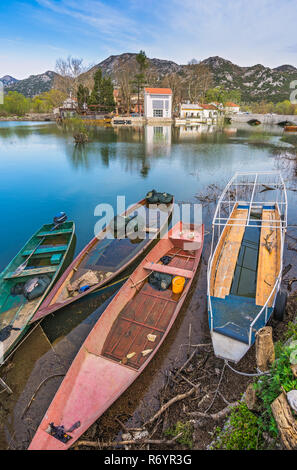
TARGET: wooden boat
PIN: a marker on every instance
(105, 258)
(245, 266)
(46, 253)
(123, 341)
(290, 128)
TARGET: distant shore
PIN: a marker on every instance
(29, 117)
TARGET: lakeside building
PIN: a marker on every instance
(231, 108)
(192, 113)
(158, 103)
(68, 108)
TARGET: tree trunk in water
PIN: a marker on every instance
(286, 423)
(265, 355)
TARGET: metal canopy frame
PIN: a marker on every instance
(231, 196)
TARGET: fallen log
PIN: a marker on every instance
(128, 442)
(265, 355)
(286, 423)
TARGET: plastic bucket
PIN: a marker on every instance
(178, 283)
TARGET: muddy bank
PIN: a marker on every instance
(203, 383)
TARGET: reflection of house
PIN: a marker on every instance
(157, 139)
(195, 130)
(158, 103)
(231, 107)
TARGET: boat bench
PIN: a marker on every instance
(164, 268)
(33, 271)
(46, 251)
(55, 232)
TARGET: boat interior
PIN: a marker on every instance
(108, 255)
(245, 268)
(141, 324)
(46, 260)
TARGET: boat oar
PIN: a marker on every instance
(59, 219)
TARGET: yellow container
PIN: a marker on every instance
(178, 283)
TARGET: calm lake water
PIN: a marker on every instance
(42, 173)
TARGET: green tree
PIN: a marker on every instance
(95, 94)
(102, 93)
(139, 78)
(15, 103)
(220, 95)
(45, 102)
(106, 98)
(82, 95)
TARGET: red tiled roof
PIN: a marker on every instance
(230, 104)
(208, 106)
(158, 91)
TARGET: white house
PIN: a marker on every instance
(158, 103)
(231, 107)
(190, 111)
(197, 113)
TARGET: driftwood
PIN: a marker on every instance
(251, 399)
(286, 423)
(215, 416)
(128, 442)
(179, 397)
(265, 355)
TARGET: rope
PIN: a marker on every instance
(258, 374)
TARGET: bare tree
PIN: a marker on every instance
(123, 74)
(198, 81)
(174, 81)
(69, 71)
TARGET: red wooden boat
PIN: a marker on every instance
(103, 258)
(123, 341)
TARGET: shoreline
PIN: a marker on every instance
(29, 117)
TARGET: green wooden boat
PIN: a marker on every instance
(28, 278)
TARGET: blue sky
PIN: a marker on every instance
(34, 33)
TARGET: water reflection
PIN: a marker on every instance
(158, 140)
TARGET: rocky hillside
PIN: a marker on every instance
(256, 83)
(7, 80)
(33, 85)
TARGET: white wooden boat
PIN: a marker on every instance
(245, 264)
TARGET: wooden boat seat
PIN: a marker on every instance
(55, 232)
(166, 269)
(227, 253)
(46, 250)
(268, 262)
(32, 272)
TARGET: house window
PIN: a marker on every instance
(158, 113)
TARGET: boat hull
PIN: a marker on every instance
(52, 303)
(104, 367)
(49, 259)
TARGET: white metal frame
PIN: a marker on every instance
(240, 179)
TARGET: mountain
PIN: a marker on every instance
(34, 85)
(256, 83)
(114, 63)
(8, 80)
